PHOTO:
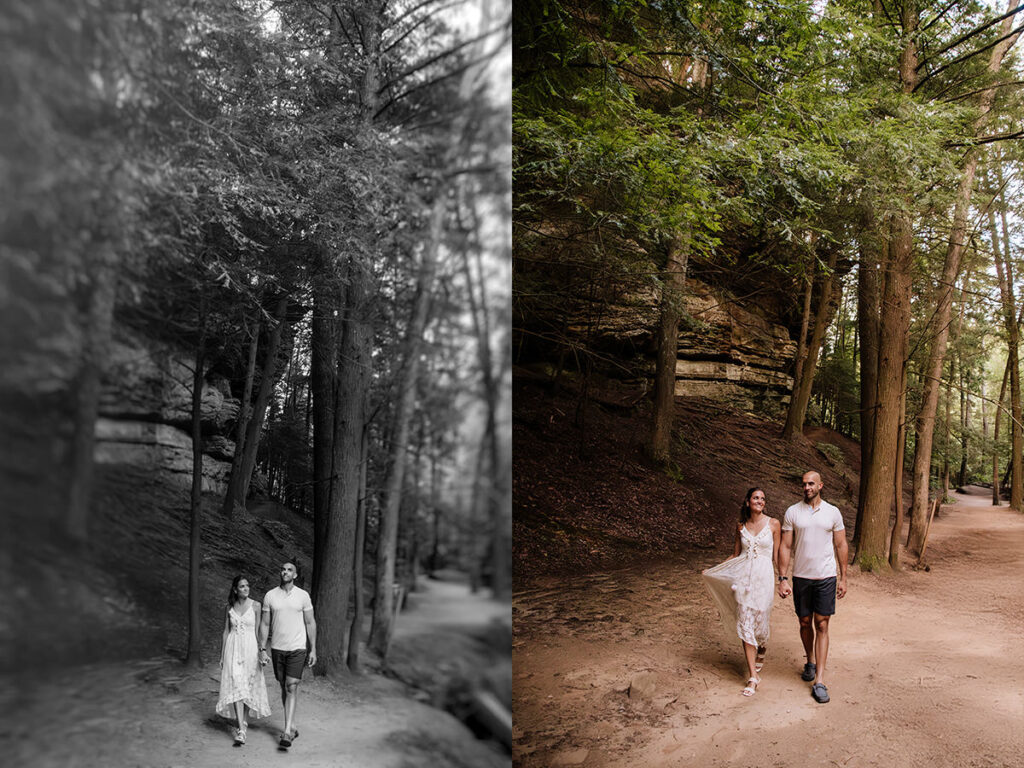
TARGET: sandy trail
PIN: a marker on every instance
(156, 714)
(923, 668)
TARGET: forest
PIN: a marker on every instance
(851, 169)
(255, 259)
(752, 241)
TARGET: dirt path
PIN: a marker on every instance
(924, 668)
(153, 713)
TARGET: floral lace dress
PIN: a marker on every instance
(743, 587)
(241, 675)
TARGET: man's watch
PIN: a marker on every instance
(783, 578)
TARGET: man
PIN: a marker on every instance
(288, 619)
(814, 534)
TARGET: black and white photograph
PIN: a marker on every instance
(255, 383)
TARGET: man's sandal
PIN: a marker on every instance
(751, 686)
(759, 659)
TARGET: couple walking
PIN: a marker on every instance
(813, 536)
(286, 619)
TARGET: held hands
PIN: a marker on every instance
(784, 589)
(263, 658)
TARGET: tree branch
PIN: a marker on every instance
(434, 59)
(989, 139)
(972, 54)
(972, 33)
(982, 90)
(939, 16)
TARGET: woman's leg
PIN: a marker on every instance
(240, 714)
(750, 652)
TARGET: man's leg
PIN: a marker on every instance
(807, 637)
(290, 694)
(820, 645)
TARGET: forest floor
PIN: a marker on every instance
(633, 667)
(155, 713)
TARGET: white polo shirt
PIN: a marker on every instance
(287, 623)
(813, 545)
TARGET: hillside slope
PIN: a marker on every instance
(587, 498)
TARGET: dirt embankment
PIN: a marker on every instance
(587, 498)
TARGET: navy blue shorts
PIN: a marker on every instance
(814, 596)
(288, 663)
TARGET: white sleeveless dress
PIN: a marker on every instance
(743, 587)
(241, 675)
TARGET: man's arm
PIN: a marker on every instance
(264, 632)
(842, 555)
(307, 616)
(785, 548)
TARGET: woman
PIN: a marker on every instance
(744, 585)
(241, 675)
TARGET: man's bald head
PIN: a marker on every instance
(812, 486)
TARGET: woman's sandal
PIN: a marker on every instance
(759, 658)
(751, 686)
(239, 735)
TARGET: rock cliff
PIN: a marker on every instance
(146, 412)
(738, 353)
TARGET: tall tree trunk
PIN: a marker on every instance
(499, 487)
(868, 326)
(355, 361)
(996, 500)
(323, 389)
(332, 591)
(1005, 274)
(892, 347)
(193, 656)
(382, 625)
(965, 410)
(668, 346)
(897, 526)
(242, 423)
(924, 428)
(946, 432)
(238, 484)
(892, 353)
(805, 325)
(99, 315)
(827, 305)
(359, 603)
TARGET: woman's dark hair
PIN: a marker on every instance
(233, 594)
(745, 509)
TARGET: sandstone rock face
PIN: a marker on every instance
(146, 414)
(728, 351)
(146, 381)
(160, 448)
(733, 353)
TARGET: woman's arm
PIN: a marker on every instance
(224, 635)
(737, 544)
(256, 609)
(776, 540)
